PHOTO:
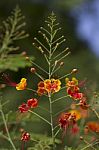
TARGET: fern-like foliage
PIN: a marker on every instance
(12, 30)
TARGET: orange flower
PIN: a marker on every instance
(93, 126)
(75, 114)
(22, 85)
(52, 85)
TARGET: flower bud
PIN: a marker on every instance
(81, 138)
(33, 70)
(74, 71)
(24, 53)
(25, 137)
(27, 58)
(61, 63)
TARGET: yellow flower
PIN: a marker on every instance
(75, 114)
(22, 84)
(71, 83)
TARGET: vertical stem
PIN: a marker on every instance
(49, 95)
(6, 128)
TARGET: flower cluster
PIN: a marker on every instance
(73, 89)
(69, 119)
(31, 103)
(48, 86)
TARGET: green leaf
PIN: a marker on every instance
(14, 62)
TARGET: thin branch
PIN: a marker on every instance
(59, 98)
(65, 76)
(61, 111)
(39, 116)
(89, 145)
(95, 112)
(57, 132)
(63, 57)
(40, 67)
(41, 44)
(43, 108)
(42, 28)
(31, 90)
(61, 53)
(46, 58)
(39, 76)
(57, 44)
(58, 39)
(56, 127)
(56, 70)
(6, 128)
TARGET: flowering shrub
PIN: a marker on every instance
(69, 120)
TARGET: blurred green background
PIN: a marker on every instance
(84, 55)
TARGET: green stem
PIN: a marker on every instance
(89, 145)
(6, 128)
(59, 98)
(57, 132)
(31, 90)
(65, 76)
(51, 119)
(95, 112)
(49, 95)
(39, 116)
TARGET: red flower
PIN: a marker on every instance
(23, 108)
(74, 92)
(69, 119)
(75, 129)
(33, 102)
(63, 120)
(41, 89)
(25, 136)
(83, 104)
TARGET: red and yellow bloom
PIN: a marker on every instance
(69, 119)
(73, 89)
(52, 86)
(48, 86)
